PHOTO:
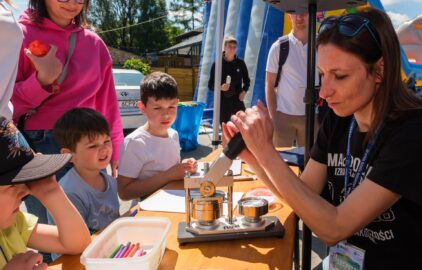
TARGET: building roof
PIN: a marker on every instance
(184, 46)
(188, 34)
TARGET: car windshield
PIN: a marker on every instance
(127, 79)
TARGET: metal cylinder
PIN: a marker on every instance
(187, 206)
(207, 209)
(253, 208)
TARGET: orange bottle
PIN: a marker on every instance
(39, 49)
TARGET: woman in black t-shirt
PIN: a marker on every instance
(367, 152)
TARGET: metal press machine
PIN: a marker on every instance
(205, 193)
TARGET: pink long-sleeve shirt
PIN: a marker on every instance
(88, 83)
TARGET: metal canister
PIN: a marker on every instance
(207, 209)
(253, 208)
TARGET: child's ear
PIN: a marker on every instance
(66, 151)
(141, 106)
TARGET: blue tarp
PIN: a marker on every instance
(188, 121)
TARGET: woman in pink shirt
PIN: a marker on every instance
(88, 82)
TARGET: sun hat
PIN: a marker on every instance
(18, 162)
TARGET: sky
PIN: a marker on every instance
(399, 10)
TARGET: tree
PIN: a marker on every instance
(139, 26)
(172, 32)
(152, 37)
(187, 12)
(118, 14)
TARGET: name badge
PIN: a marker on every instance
(345, 256)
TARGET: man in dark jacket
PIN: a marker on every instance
(234, 81)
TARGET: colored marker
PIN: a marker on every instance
(115, 251)
(120, 251)
(123, 250)
(134, 212)
(128, 250)
(139, 253)
(133, 251)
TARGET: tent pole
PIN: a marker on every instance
(309, 99)
(217, 76)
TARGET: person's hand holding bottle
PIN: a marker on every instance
(46, 64)
(226, 86)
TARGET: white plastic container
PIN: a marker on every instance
(150, 232)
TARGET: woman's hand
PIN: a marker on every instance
(26, 261)
(48, 67)
(229, 130)
(257, 129)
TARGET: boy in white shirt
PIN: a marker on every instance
(150, 155)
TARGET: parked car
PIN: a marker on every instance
(127, 83)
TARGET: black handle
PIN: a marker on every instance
(234, 147)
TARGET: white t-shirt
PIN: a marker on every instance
(11, 41)
(292, 85)
(143, 155)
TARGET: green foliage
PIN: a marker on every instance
(108, 15)
(152, 37)
(138, 26)
(187, 12)
(136, 63)
(172, 32)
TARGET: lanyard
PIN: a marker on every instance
(363, 161)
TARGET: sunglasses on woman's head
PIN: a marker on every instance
(349, 25)
(77, 1)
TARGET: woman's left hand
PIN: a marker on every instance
(256, 127)
(229, 131)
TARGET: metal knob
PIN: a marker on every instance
(207, 189)
(253, 208)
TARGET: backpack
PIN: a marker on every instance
(284, 52)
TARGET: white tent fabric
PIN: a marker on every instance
(410, 36)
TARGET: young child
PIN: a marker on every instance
(85, 134)
(23, 173)
(150, 156)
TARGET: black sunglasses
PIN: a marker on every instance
(349, 25)
(81, 2)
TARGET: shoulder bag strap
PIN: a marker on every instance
(284, 52)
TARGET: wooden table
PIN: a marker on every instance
(258, 253)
